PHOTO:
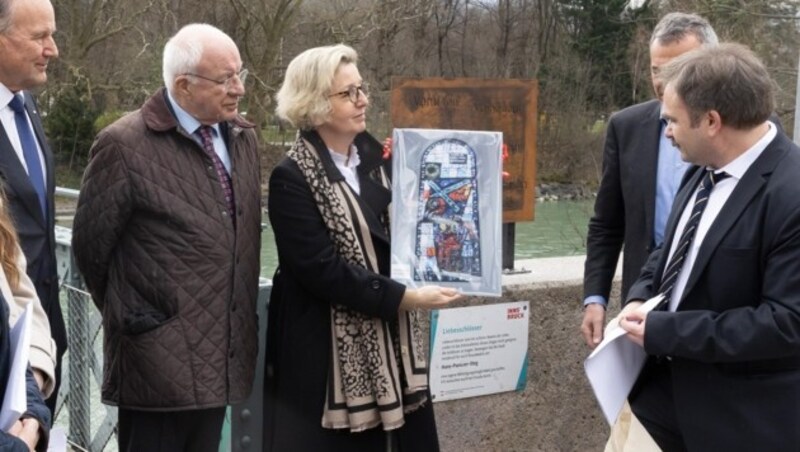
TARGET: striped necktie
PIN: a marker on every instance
(676, 262)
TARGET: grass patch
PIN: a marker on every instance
(274, 134)
(68, 178)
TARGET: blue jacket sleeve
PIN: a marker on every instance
(37, 410)
(9, 443)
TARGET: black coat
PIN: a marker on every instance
(735, 338)
(624, 211)
(36, 234)
(625, 208)
(310, 276)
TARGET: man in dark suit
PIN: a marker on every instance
(26, 162)
(641, 175)
(724, 365)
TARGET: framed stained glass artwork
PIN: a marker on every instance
(447, 209)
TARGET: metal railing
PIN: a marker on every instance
(91, 426)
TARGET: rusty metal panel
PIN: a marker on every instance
(506, 105)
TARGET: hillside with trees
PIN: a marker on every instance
(590, 57)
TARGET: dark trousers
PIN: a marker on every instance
(652, 402)
(157, 431)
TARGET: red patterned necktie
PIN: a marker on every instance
(222, 174)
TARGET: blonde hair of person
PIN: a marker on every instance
(303, 97)
(8, 243)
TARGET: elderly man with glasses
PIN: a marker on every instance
(167, 236)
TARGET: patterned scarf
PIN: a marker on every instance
(378, 370)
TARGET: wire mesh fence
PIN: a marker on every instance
(89, 423)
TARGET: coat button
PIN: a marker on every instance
(376, 284)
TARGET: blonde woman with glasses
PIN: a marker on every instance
(346, 367)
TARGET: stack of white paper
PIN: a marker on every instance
(614, 366)
(15, 401)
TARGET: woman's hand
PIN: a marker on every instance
(428, 297)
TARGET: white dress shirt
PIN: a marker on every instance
(347, 165)
(719, 196)
(191, 125)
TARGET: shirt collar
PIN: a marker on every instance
(347, 161)
(740, 164)
(186, 120)
(5, 96)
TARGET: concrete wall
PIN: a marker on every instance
(557, 411)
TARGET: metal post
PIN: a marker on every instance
(797, 107)
(247, 418)
(508, 246)
(79, 401)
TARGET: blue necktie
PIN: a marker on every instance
(29, 150)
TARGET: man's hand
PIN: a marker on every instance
(634, 323)
(630, 307)
(594, 318)
(27, 430)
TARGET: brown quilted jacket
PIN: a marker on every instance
(175, 282)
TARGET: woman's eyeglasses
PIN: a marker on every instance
(353, 92)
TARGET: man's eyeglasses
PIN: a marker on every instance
(228, 81)
(353, 92)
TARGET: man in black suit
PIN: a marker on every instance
(26, 162)
(723, 371)
(641, 175)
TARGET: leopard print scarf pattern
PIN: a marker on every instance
(378, 370)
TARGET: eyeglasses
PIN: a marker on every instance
(228, 81)
(353, 92)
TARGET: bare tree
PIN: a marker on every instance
(260, 28)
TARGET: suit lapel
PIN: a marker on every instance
(747, 188)
(374, 196)
(49, 164)
(651, 132)
(17, 178)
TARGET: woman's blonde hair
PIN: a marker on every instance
(303, 97)
(8, 242)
